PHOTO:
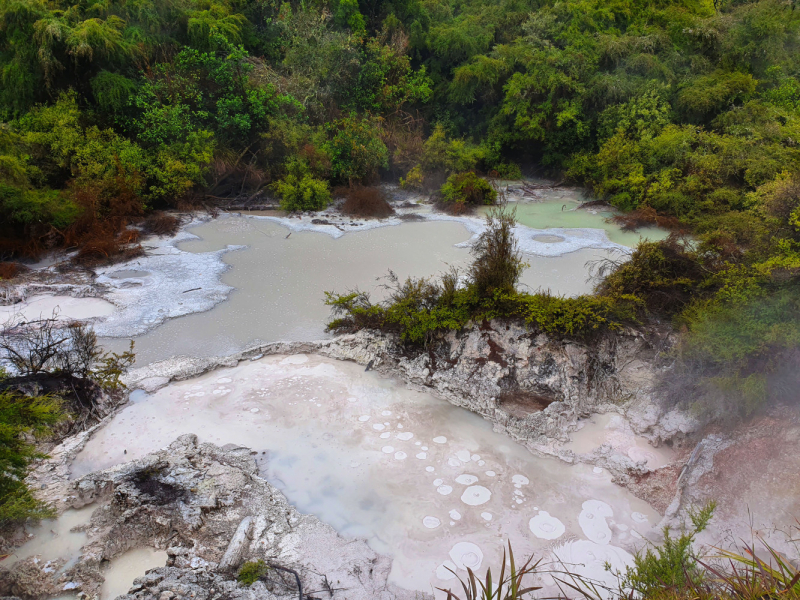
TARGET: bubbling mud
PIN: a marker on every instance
(313, 443)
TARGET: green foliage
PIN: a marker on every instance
(670, 565)
(665, 275)
(109, 368)
(468, 188)
(387, 83)
(299, 190)
(443, 154)
(112, 91)
(355, 149)
(252, 571)
(507, 170)
(348, 15)
(745, 347)
(685, 112)
(709, 94)
(21, 415)
(497, 264)
(419, 309)
(506, 587)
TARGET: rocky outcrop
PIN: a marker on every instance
(208, 507)
(749, 469)
(529, 385)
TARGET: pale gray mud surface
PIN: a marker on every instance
(414, 475)
(279, 278)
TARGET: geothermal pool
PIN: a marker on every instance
(423, 481)
(279, 283)
(558, 208)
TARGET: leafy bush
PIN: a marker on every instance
(356, 149)
(299, 190)
(665, 275)
(414, 179)
(671, 565)
(445, 154)
(21, 415)
(252, 571)
(468, 188)
(498, 263)
(419, 309)
(507, 170)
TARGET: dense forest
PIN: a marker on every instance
(684, 113)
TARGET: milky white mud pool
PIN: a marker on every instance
(423, 481)
(558, 209)
(276, 284)
(61, 307)
(121, 572)
(54, 539)
(613, 430)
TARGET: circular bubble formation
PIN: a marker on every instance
(546, 527)
(475, 495)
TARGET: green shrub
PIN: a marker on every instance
(468, 188)
(671, 565)
(507, 170)
(664, 274)
(252, 571)
(414, 179)
(20, 415)
(418, 309)
(442, 154)
(356, 149)
(498, 263)
(299, 190)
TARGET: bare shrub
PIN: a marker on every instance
(161, 223)
(106, 243)
(645, 216)
(9, 270)
(366, 202)
(52, 345)
(453, 208)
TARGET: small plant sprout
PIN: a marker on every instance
(508, 586)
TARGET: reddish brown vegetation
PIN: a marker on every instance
(9, 270)
(364, 202)
(404, 136)
(104, 245)
(644, 217)
(161, 223)
(454, 208)
(101, 234)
